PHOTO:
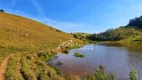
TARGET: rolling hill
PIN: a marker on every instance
(19, 32)
(30, 42)
(130, 33)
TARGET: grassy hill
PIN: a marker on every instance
(31, 42)
(24, 33)
(118, 34)
(130, 33)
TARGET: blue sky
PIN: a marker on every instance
(90, 16)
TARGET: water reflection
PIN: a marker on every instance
(116, 60)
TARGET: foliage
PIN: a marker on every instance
(78, 55)
(2, 10)
(81, 36)
(59, 63)
(58, 30)
(99, 75)
(135, 23)
(131, 32)
(66, 51)
(115, 34)
(133, 75)
(36, 68)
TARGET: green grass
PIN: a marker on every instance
(34, 67)
(99, 75)
(12, 71)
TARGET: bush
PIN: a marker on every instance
(59, 63)
(2, 10)
(58, 30)
(66, 51)
(78, 55)
(99, 75)
(133, 75)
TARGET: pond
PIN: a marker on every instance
(116, 60)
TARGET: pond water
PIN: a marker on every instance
(116, 60)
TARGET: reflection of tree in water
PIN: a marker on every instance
(135, 62)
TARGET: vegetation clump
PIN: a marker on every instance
(2, 10)
(99, 75)
(81, 36)
(133, 75)
(78, 55)
(66, 51)
(36, 68)
(59, 63)
(58, 30)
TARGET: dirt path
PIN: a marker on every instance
(3, 67)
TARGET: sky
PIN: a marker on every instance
(90, 16)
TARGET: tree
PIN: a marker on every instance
(133, 75)
(2, 10)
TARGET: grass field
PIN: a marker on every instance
(30, 42)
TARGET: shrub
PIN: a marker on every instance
(99, 75)
(133, 75)
(2, 10)
(58, 30)
(78, 55)
(59, 63)
(66, 51)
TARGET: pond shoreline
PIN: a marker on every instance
(98, 54)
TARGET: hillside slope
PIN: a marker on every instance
(130, 33)
(23, 33)
(118, 34)
(30, 42)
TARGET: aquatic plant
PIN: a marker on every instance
(66, 51)
(133, 75)
(59, 63)
(78, 55)
(99, 75)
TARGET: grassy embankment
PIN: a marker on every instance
(31, 42)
